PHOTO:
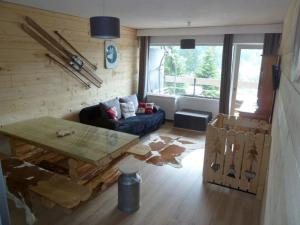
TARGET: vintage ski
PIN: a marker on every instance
(76, 60)
(68, 69)
(54, 51)
(75, 50)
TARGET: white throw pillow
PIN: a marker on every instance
(127, 109)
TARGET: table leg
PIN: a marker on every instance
(73, 165)
(13, 146)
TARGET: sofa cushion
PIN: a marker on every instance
(141, 108)
(114, 103)
(131, 98)
(149, 108)
(112, 113)
(127, 109)
(142, 124)
(89, 114)
(106, 123)
(102, 110)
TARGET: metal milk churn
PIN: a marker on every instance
(129, 191)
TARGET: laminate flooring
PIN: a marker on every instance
(169, 196)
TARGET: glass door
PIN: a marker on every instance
(246, 74)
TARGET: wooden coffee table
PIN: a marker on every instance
(87, 143)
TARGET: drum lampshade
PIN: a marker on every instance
(105, 27)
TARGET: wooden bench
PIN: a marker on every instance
(23, 177)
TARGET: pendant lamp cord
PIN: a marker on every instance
(101, 7)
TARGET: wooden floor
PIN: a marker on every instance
(169, 196)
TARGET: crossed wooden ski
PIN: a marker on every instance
(94, 67)
(68, 69)
(76, 63)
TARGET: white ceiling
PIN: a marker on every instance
(172, 13)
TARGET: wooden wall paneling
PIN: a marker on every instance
(282, 197)
(32, 86)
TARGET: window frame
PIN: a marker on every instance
(186, 95)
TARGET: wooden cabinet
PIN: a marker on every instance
(265, 94)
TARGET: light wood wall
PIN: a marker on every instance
(283, 189)
(32, 86)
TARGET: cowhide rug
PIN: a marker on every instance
(167, 150)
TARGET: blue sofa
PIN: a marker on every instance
(140, 125)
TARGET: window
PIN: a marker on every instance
(246, 74)
(194, 72)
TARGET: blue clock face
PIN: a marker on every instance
(111, 54)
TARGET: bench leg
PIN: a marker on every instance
(73, 165)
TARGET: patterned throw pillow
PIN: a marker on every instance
(130, 98)
(127, 109)
(112, 113)
(114, 103)
(149, 108)
(142, 107)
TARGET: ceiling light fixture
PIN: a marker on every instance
(188, 43)
(105, 27)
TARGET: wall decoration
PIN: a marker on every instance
(296, 59)
(110, 55)
(79, 66)
(93, 66)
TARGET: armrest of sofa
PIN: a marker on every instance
(89, 114)
(107, 123)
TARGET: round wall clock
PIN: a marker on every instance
(110, 55)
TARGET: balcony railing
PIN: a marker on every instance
(206, 81)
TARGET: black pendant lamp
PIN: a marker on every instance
(105, 27)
